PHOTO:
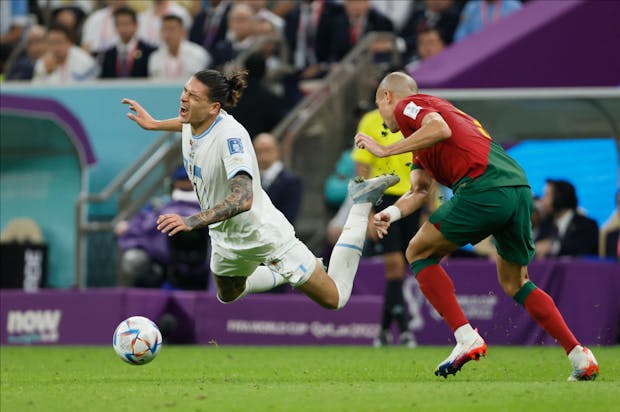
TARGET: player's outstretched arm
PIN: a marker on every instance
(238, 201)
(146, 121)
(408, 203)
(433, 130)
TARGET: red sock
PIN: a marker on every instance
(439, 290)
(542, 308)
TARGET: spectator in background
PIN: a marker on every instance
(262, 12)
(478, 14)
(571, 233)
(440, 14)
(36, 46)
(429, 43)
(150, 21)
(211, 24)
(398, 11)
(309, 29)
(130, 56)
(269, 37)
(259, 109)
(321, 33)
(394, 244)
(85, 6)
(360, 18)
(98, 32)
(63, 61)
(239, 37)
(610, 231)
(72, 18)
(177, 58)
(335, 190)
(284, 188)
(150, 259)
(13, 23)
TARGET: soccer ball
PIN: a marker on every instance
(137, 340)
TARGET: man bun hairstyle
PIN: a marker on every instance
(237, 82)
(225, 90)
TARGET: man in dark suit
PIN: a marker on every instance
(359, 18)
(283, 186)
(440, 15)
(128, 58)
(571, 233)
(211, 24)
(320, 33)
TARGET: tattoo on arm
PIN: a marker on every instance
(238, 201)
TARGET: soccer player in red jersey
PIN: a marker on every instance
(491, 197)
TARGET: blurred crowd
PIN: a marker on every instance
(59, 41)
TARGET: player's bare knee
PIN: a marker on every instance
(415, 252)
(330, 304)
(510, 290)
(510, 287)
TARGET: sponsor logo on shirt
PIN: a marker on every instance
(235, 145)
(412, 110)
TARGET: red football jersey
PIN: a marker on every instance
(464, 154)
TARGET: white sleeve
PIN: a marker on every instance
(89, 32)
(237, 154)
(152, 64)
(40, 74)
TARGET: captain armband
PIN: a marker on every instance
(393, 212)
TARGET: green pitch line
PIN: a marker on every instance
(291, 379)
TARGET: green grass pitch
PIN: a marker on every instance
(211, 378)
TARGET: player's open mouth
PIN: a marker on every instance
(183, 111)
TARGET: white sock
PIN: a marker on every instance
(465, 333)
(261, 280)
(348, 250)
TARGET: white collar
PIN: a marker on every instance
(129, 46)
(268, 175)
(563, 221)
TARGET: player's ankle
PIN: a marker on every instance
(465, 333)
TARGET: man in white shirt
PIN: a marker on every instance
(150, 20)
(239, 37)
(254, 247)
(177, 58)
(63, 62)
(98, 32)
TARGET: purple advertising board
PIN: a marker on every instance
(586, 292)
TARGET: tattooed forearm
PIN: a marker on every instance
(238, 201)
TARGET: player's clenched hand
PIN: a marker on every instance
(171, 224)
(364, 141)
(141, 116)
(381, 221)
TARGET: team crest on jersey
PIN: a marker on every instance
(235, 145)
(412, 110)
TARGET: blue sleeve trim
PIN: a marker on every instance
(237, 170)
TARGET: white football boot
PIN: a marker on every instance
(471, 349)
(370, 190)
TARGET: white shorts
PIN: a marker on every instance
(294, 261)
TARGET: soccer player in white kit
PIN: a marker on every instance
(254, 247)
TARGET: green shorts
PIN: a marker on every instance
(504, 212)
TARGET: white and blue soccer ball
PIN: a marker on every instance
(137, 340)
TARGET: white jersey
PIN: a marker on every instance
(211, 159)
